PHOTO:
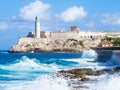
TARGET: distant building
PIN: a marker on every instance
(74, 28)
(106, 44)
(45, 34)
(31, 34)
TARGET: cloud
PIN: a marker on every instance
(3, 26)
(38, 8)
(14, 24)
(111, 19)
(72, 14)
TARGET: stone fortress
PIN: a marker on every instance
(71, 40)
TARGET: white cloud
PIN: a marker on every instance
(111, 19)
(72, 14)
(35, 8)
(3, 26)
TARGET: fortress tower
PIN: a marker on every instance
(37, 27)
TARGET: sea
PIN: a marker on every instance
(36, 71)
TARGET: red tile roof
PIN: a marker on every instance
(106, 43)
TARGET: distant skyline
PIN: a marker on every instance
(17, 16)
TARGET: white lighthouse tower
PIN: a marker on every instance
(37, 27)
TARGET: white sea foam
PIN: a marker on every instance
(42, 83)
(45, 82)
(87, 59)
(107, 83)
(89, 54)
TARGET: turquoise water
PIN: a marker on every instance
(32, 71)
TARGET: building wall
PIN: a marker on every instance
(77, 35)
(29, 40)
(45, 34)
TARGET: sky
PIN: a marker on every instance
(17, 17)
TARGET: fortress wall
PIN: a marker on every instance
(65, 35)
(76, 35)
(25, 40)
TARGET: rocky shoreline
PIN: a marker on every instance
(78, 77)
(82, 73)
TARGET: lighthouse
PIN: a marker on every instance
(37, 27)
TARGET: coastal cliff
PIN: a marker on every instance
(26, 44)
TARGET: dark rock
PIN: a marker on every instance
(85, 79)
(117, 69)
(89, 72)
(77, 73)
(82, 72)
(100, 72)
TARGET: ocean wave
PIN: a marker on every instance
(29, 65)
(44, 82)
(89, 54)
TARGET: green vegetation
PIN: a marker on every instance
(72, 40)
(76, 42)
(81, 43)
(115, 41)
(27, 45)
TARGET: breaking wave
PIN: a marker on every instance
(107, 83)
(28, 65)
(44, 82)
(89, 54)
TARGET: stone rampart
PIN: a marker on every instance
(33, 40)
(77, 35)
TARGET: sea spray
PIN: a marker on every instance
(91, 54)
(88, 58)
(109, 82)
(44, 82)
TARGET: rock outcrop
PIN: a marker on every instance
(26, 44)
(82, 73)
